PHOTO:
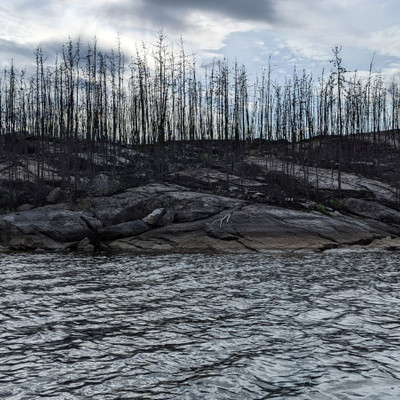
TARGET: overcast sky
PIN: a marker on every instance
(293, 32)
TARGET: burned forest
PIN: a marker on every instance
(160, 116)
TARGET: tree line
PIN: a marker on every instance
(161, 94)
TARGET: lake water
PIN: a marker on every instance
(272, 326)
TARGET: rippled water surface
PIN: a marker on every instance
(305, 326)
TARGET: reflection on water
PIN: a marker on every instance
(306, 326)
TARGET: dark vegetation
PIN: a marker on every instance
(157, 114)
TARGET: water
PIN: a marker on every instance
(303, 326)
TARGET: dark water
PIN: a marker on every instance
(305, 326)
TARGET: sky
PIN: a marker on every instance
(294, 33)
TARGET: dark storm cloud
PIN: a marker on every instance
(259, 10)
(10, 47)
(28, 50)
(173, 13)
(25, 55)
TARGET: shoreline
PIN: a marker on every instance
(169, 218)
(388, 245)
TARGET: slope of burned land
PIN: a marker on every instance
(200, 196)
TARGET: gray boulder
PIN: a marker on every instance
(387, 243)
(103, 185)
(166, 219)
(43, 227)
(155, 216)
(85, 245)
(54, 196)
(159, 217)
(371, 209)
(91, 221)
(122, 230)
(25, 207)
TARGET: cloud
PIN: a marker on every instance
(174, 13)
(385, 42)
(250, 10)
(308, 30)
(205, 24)
(293, 31)
(10, 47)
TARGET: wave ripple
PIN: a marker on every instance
(307, 326)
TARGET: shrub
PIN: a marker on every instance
(205, 156)
(322, 209)
(335, 204)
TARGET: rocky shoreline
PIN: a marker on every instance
(205, 196)
(167, 217)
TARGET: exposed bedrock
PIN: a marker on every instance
(169, 217)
